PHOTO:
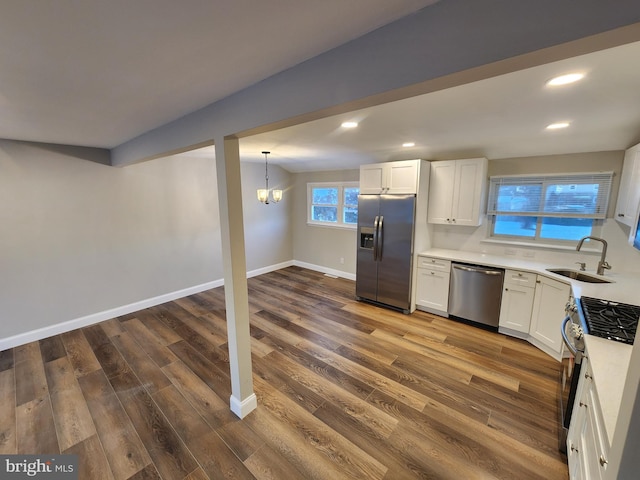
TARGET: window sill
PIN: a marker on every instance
(544, 246)
(336, 225)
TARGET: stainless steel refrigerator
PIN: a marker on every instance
(385, 249)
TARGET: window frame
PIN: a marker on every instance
(603, 179)
(340, 205)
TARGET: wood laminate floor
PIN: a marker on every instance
(345, 390)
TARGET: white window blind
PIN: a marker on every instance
(583, 195)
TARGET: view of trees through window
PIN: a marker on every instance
(334, 204)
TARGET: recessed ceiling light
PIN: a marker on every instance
(556, 126)
(408, 144)
(349, 124)
(565, 79)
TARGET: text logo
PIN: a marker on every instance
(50, 467)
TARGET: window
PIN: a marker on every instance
(552, 208)
(333, 204)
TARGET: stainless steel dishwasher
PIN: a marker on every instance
(475, 293)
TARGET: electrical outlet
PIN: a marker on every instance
(342, 260)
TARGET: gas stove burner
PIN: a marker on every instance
(611, 320)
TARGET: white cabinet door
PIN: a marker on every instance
(443, 176)
(372, 179)
(391, 177)
(468, 191)
(629, 192)
(432, 290)
(576, 435)
(549, 302)
(516, 307)
(456, 191)
(402, 177)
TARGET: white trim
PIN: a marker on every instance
(63, 327)
(270, 268)
(339, 223)
(69, 325)
(244, 407)
(321, 269)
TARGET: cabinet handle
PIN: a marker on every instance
(433, 273)
(519, 274)
(621, 214)
(574, 449)
(506, 289)
(582, 404)
(603, 461)
(587, 376)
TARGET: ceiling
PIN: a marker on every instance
(501, 117)
(98, 73)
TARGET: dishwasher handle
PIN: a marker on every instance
(476, 269)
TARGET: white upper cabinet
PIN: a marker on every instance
(457, 190)
(390, 177)
(629, 192)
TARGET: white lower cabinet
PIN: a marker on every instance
(549, 302)
(432, 288)
(517, 301)
(587, 443)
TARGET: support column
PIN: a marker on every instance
(243, 399)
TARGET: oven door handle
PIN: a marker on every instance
(563, 330)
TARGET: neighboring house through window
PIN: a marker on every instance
(333, 204)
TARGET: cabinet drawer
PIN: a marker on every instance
(435, 264)
(524, 279)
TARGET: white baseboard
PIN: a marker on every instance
(244, 407)
(67, 326)
(94, 318)
(320, 268)
(270, 268)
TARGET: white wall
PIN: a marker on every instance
(82, 242)
(620, 255)
(322, 246)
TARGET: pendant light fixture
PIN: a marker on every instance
(263, 193)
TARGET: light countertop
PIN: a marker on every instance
(609, 360)
(624, 287)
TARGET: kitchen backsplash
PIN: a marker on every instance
(620, 255)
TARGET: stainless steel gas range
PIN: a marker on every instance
(602, 318)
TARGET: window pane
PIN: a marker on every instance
(566, 228)
(351, 195)
(571, 198)
(324, 214)
(350, 215)
(325, 195)
(519, 226)
(519, 198)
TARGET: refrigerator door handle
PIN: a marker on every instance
(380, 236)
(375, 238)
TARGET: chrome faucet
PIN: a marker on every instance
(602, 264)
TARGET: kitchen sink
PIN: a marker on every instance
(577, 275)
